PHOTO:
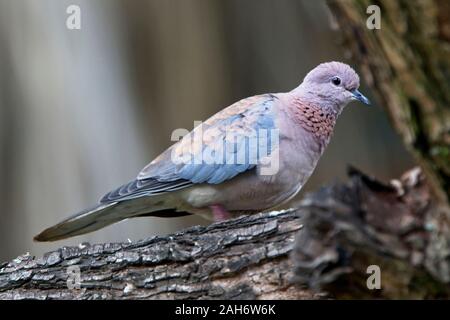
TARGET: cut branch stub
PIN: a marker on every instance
(366, 223)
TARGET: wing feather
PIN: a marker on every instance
(216, 151)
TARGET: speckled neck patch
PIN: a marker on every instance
(314, 119)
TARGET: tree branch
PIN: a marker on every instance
(346, 228)
(241, 258)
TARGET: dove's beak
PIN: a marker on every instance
(360, 97)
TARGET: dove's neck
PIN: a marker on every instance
(315, 96)
(313, 116)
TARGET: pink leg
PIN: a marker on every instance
(219, 213)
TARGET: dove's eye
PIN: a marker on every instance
(336, 81)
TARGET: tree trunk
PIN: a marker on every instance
(407, 64)
(347, 228)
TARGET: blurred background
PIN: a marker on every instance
(82, 111)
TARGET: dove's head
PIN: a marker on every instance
(334, 84)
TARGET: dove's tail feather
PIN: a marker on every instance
(103, 215)
(80, 223)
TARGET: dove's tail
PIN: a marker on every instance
(105, 214)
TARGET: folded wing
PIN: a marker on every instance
(227, 144)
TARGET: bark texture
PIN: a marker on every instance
(321, 249)
(407, 64)
(349, 228)
(244, 258)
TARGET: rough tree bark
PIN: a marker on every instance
(347, 228)
(242, 258)
(407, 64)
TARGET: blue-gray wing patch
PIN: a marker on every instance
(227, 144)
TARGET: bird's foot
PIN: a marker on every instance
(219, 213)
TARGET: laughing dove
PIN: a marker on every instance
(252, 156)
